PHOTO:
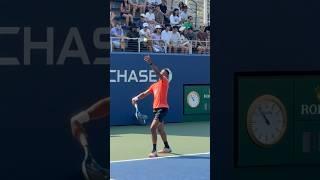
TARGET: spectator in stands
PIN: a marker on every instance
(180, 5)
(112, 16)
(175, 19)
(184, 14)
(140, 22)
(166, 35)
(202, 37)
(137, 5)
(158, 44)
(145, 36)
(163, 6)
(159, 16)
(112, 20)
(174, 39)
(207, 29)
(118, 37)
(208, 32)
(165, 11)
(133, 34)
(125, 12)
(150, 3)
(184, 42)
(150, 15)
(190, 35)
(188, 24)
(150, 18)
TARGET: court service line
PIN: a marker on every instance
(142, 159)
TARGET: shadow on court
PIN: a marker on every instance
(195, 129)
(181, 156)
(115, 136)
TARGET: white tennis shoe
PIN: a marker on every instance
(165, 150)
(153, 154)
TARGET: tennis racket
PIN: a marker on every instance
(90, 168)
(140, 117)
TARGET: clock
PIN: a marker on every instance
(266, 121)
(193, 99)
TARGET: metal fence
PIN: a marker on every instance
(124, 44)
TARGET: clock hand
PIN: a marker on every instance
(265, 117)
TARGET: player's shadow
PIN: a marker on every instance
(115, 136)
(196, 129)
(181, 156)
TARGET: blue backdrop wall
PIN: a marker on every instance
(130, 75)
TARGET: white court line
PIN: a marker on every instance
(142, 159)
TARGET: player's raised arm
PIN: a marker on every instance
(153, 66)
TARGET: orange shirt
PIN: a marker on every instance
(160, 93)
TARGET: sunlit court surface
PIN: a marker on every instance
(189, 160)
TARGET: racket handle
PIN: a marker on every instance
(136, 106)
(83, 139)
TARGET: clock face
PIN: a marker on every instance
(266, 120)
(193, 99)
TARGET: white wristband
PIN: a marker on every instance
(82, 117)
(83, 140)
(135, 99)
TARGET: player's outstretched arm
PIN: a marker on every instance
(98, 110)
(140, 96)
(153, 66)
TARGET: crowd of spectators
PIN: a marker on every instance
(158, 29)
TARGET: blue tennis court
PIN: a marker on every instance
(176, 167)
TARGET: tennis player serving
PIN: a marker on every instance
(159, 90)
